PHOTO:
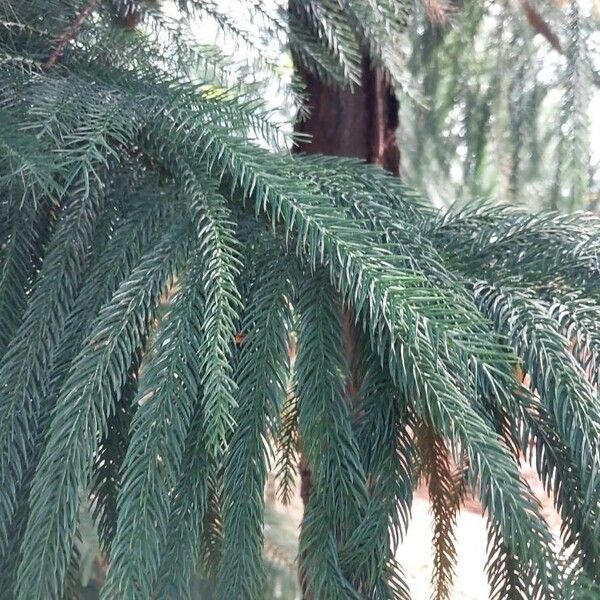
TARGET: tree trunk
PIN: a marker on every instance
(361, 124)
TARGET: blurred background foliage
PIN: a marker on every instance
(281, 547)
(504, 102)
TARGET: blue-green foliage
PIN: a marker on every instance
(176, 294)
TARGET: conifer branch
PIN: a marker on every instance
(142, 167)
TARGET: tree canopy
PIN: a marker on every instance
(173, 287)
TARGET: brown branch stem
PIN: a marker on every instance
(69, 34)
(538, 23)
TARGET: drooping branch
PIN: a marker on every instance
(69, 34)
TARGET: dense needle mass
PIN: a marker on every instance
(173, 289)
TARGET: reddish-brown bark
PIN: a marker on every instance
(359, 123)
